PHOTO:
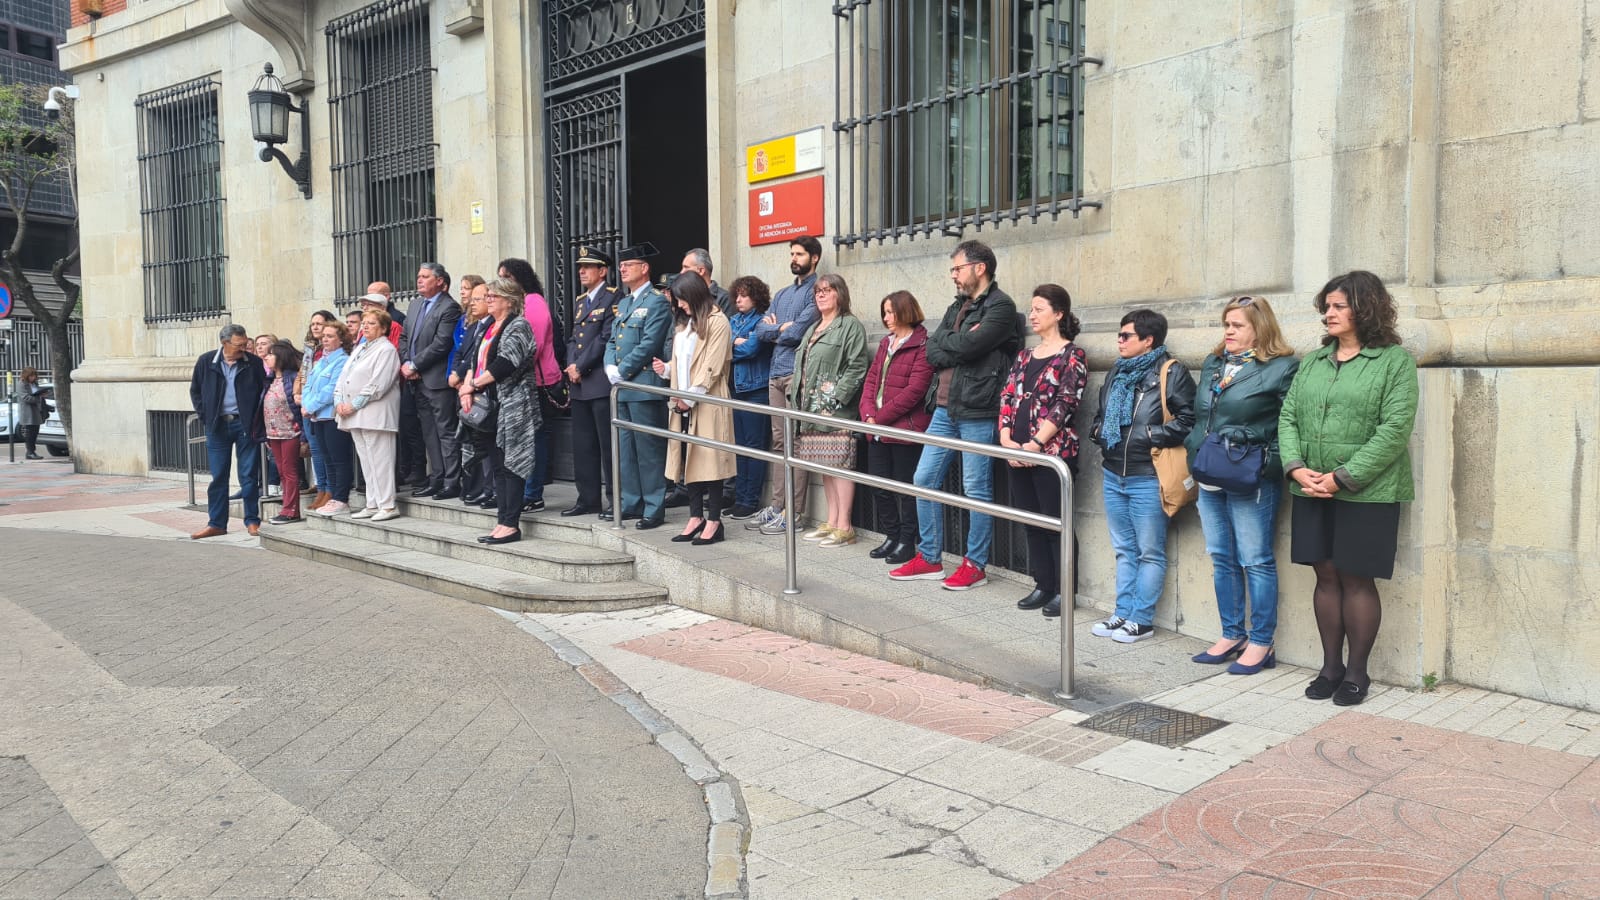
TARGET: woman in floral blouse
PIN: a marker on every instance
(1037, 406)
(284, 430)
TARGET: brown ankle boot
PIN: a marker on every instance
(322, 497)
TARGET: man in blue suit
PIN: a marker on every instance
(592, 314)
(641, 332)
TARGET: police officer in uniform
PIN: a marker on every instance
(641, 333)
(592, 315)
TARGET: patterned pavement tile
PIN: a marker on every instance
(1250, 886)
(1116, 868)
(1572, 811)
(1354, 868)
(182, 520)
(1547, 768)
(1322, 759)
(1294, 801)
(1362, 728)
(827, 675)
(1207, 832)
(1055, 740)
(1486, 796)
(1412, 826)
(1556, 865)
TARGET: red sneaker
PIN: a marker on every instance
(918, 569)
(966, 577)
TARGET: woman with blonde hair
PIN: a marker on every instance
(702, 354)
(501, 369)
(1233, 455)
(367, 401)
(830, 367)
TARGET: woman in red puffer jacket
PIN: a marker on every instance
(895, 394)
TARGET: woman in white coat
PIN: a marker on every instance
(367, 401)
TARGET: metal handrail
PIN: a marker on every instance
(188, 453)
(1062, 525)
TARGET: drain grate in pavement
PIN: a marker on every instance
(1151, 724)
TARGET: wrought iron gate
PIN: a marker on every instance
(588, 46)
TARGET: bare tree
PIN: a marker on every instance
(33, 149)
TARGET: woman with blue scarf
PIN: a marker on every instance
(1126, 428)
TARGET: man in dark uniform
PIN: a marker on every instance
(592, 314)
(641, 334)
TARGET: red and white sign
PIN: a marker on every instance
(783, 212)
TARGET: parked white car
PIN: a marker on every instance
(52, 434)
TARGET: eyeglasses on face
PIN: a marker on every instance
(1125, 336)
(959, 266)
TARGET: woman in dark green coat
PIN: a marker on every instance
(1343, 435)
(1242, 386)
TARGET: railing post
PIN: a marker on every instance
(616, 465)
(11, 429)
(791, 565)
(1069, 592)
(188, 454)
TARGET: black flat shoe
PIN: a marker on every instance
(690, 534)
(424, 491)
(1322, 687)
(448, 494)
(473, 497)
(1035, 599)
(884, 549)
(647, 524)
(578, 510)
(511, 538)
(488, 503)
(901, 555)
(714, 539)
(1350, 694)
(1052, 607)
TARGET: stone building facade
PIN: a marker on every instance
(1223, 147)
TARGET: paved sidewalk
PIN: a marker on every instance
(866, 779)
(194, 720)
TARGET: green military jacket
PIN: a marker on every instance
(829, 370)
(1353, 420)
(1246, 410)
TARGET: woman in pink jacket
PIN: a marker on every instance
(547, 372)
(894, 395)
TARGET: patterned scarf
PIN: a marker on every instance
(1232, 363)
(1125, 377)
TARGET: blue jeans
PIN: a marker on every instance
(1239, 530)
(340, 451)
(541, 464)
(223, 440)
(977, 483)
(1139, 537)
(752, 430)
(319, 461)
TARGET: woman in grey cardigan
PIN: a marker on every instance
(31, 411)
(500, 371)
(367, 401)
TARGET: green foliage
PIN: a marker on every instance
(32, 145)
(1430, 682)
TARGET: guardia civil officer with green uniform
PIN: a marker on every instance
(642, 332)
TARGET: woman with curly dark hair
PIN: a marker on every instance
(752, 365)
(1342, 436)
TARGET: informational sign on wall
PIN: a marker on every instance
(477, 217)
(784, 156)
(783, 212)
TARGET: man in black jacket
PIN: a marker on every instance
(226, 391)
(970, 353)
(592, 315)
(430, 335)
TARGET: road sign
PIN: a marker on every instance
(5, 301)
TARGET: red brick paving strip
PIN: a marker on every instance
(1363, 806)
(814, 672)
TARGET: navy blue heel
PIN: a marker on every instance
(1270, 661)
(1211, 659)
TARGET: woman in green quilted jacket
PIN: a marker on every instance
(1342, 436)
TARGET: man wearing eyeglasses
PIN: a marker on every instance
(970, 353)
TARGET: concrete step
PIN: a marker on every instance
(540, 557)
(547, 525)
(459, 578)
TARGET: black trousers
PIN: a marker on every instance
(479, 478)
(412, 459)
(30, 437)
(1037, 489)
(897, 513)
(705, 500)
(437, 412)
(508, 488)
(591, 451)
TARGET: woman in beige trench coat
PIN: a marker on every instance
(702, 359)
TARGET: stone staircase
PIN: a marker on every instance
(556, 567)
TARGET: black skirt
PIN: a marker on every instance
(1360, 538)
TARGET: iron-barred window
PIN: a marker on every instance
(180, 202)
(955, 114)
(380, 99)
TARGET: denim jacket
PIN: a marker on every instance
(317, 395)
(752, 360)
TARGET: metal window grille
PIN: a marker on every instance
(380, 101)
(27, 345)
(169, 441)
(180, 202)
(955, 114)
(586, 172)
(585, 37)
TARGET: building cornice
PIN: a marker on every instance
(286, 25)
(139, 29)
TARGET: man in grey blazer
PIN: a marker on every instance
(424, 362)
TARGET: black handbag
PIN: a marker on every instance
(1228, 463)
(481, 416)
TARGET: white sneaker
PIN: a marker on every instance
(1108, 627)
(332, 508)
(764, 517)
(386, 515)
(364, 513)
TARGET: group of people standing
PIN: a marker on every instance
(482, 376)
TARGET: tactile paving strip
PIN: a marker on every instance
(1151, 724)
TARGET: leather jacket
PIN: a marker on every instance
(1131, 456)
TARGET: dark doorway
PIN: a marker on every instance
(666, 148)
